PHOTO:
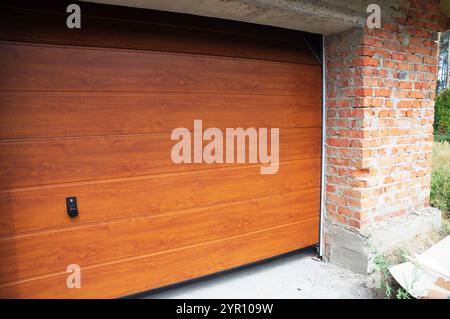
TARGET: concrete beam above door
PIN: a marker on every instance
(316, 16)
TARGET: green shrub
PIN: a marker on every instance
(440, 189)
(442, 116)
(440, 178)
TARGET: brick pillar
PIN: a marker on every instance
(380, 104)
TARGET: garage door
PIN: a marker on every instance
(90, 113)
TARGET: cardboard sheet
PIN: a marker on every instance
(426, 275)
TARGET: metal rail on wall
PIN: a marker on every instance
(323, 153)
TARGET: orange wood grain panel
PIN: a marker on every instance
(50, 252)
(32, 209)
(68, 68)
(44, 114)
(50, 161)
(145, 272)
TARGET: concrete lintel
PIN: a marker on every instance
(316, 16)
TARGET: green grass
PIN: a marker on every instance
(440, 178)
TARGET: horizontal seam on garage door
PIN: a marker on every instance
(141, 177)
(118, 135)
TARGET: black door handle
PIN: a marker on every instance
(72, 207)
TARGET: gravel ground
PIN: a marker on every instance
(291, 277)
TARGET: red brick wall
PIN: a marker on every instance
(380, 99)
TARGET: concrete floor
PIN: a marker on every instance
(291, 277)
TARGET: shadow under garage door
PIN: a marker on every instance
(89, 113)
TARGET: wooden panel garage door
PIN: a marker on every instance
(89, 113)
